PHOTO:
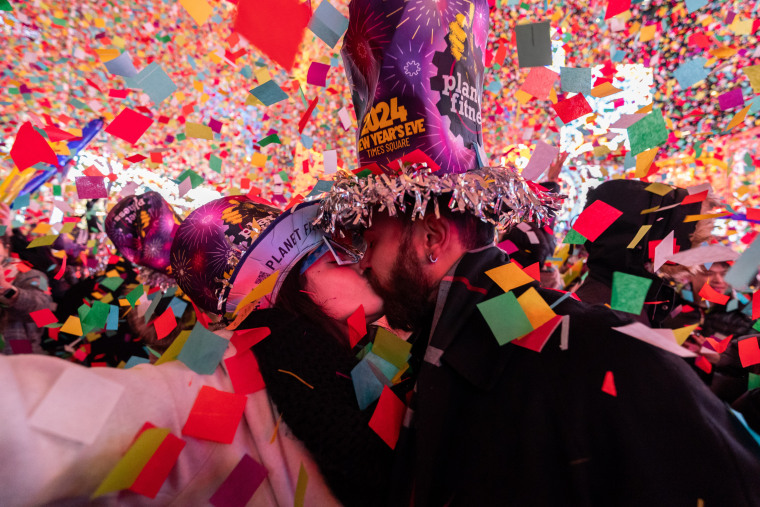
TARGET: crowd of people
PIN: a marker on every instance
(418, 334)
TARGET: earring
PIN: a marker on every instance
(430, 258)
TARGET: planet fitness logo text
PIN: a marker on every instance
(460, 82)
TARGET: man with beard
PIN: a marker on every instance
(510, 406)
(492, 424)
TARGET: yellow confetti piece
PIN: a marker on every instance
(682, 333)
(659, 188)
(644, 161)
(738, 119)
(604, 90)
(107, 55)
(72, 326)
(640, 234)
(509, 276)
(199, 10)
(261, 290)
(126, 471)
(535, 308)
(198, 131)
(695, 218)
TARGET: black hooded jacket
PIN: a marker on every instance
(610, 252)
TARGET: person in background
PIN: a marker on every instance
(22, 290)
(609, 252)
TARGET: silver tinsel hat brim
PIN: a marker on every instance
(497, 195)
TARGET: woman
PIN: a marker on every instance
(44, 459)
(307, 360)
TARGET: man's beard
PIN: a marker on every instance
(409, 299)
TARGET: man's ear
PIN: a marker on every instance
(437, 234)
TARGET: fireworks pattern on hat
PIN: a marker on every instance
(210, 243)
(142, 228)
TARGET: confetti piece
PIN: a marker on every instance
(535, 307)
(129, 125)
(576, 80)
(238, 488)
(215, 415)
(534, 47)
(540, 160)
(244, 373)
(301, 483)
(505, 317)
(608, 386)
(647, 133)
(357, 326)
(30, 148)
(317, 74)
(391, 348)
(154, 81)
(749, 351)
(663, 251)
(710, 294)
(745, 267)
(91, 187)
(328, 23)
(539, 82)
(256, 18)
(387, 417)
(536, 339)
(756, 305)
(199, 131)
(203, 350)
(72, 326)
(199, 10)
(731, 99)
(165, 324)
(43, 317)
(269, 93)
(595, 219)
(629, 292)
(753, 74)
(121, 65)
(572, 108)
(691, 72)
(77, 395)
(509, 276)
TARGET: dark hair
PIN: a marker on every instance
(473, 232)
(293, 299)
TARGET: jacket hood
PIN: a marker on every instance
(610, 252)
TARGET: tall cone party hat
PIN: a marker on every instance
(416, 70)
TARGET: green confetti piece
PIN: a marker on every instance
(629, 292)
(574, 238)
(135, 294)
(274, 138)
(215, 163)
(505, 317)
(648, 133)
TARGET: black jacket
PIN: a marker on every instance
(504, 425)
(353, 459)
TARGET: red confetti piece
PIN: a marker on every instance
(256, 18)
(572, 108)
(129, 125)
(749, 351)
(215, 415)
(30, 148)
(388, 416)
(595, 219)
(608, 386)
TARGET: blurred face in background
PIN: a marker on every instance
(715, 276)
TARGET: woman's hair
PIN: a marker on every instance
(293, 299)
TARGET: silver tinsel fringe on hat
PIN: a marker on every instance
(497, 195)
